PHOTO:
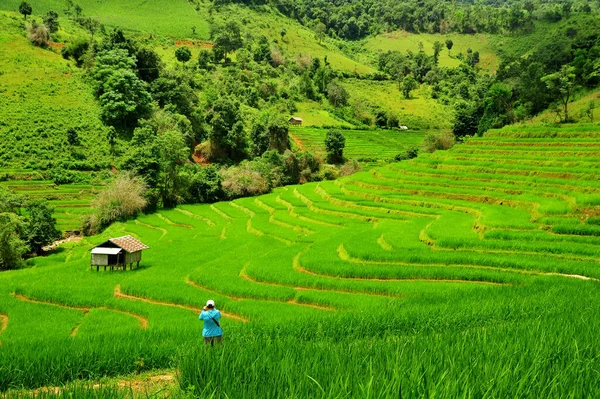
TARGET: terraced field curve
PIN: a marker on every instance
(493, 214)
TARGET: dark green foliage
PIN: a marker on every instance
(337, 94)
(183, 54)
(562, 84)
(203, 184)
(449, 44)
(467, 119)
(270, 131)
(40, 228)
(437, 48)
(262, 50)
(227, 136)
(205, 59)
(227, 38)
(76, 50)
(122, 94)
(334, 145)
(307, 87)
(497, 108)
(12, 246)
(408, 84)
(72, 136)
(25, 9)
(148, 64)
(51, 21)
(410, 153)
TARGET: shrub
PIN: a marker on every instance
(410, 153)
(243, 181)
(38, 35)
(183, 54)
(122, 199)
(435, 142)
(350, 168)
(328, 172)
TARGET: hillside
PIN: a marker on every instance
(494, 239)
(406, 41)
(174, 18)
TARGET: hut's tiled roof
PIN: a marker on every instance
(129, 244)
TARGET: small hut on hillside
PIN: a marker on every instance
(295, 121)
(118, 252)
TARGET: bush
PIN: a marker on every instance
(122, 199)
(410, 153)
(350, 168)
(435, 142)
(243, 181)
(38, 35)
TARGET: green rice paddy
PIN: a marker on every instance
(360, 144)
(471, 272)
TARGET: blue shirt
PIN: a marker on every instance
(210, 327)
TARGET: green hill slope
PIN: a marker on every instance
(406, 41)
(173, 18)
(494, 235)
(42, 97)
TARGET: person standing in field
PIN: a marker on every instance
(212, 329)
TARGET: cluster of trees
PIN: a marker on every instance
(25, 227)
(525, 86)
(157, 122)
(351, 20)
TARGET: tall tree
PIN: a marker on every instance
(437, 48)
(51, 21)
(408, 84)
(562, 84)
(41, 226)
(25, 9)
(227, 136)
(334, 145)
(449, 45)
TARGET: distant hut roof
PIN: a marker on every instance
(295, 119)
(128, 243)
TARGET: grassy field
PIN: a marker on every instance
(418, 112)
(42, 96)
(174, 18)
(400, 279)
(405, 41)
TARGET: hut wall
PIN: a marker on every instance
(133, 257)
(99, 260)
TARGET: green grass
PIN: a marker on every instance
(174, 18)
(41, 97)
(360, 144)
(404, 41)
(407, 273)
(418, 112)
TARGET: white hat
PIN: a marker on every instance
(210, 303)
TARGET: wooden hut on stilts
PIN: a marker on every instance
(117, 253)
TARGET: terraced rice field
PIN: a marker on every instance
(71, 202)
(487, 253)
(360, 144)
